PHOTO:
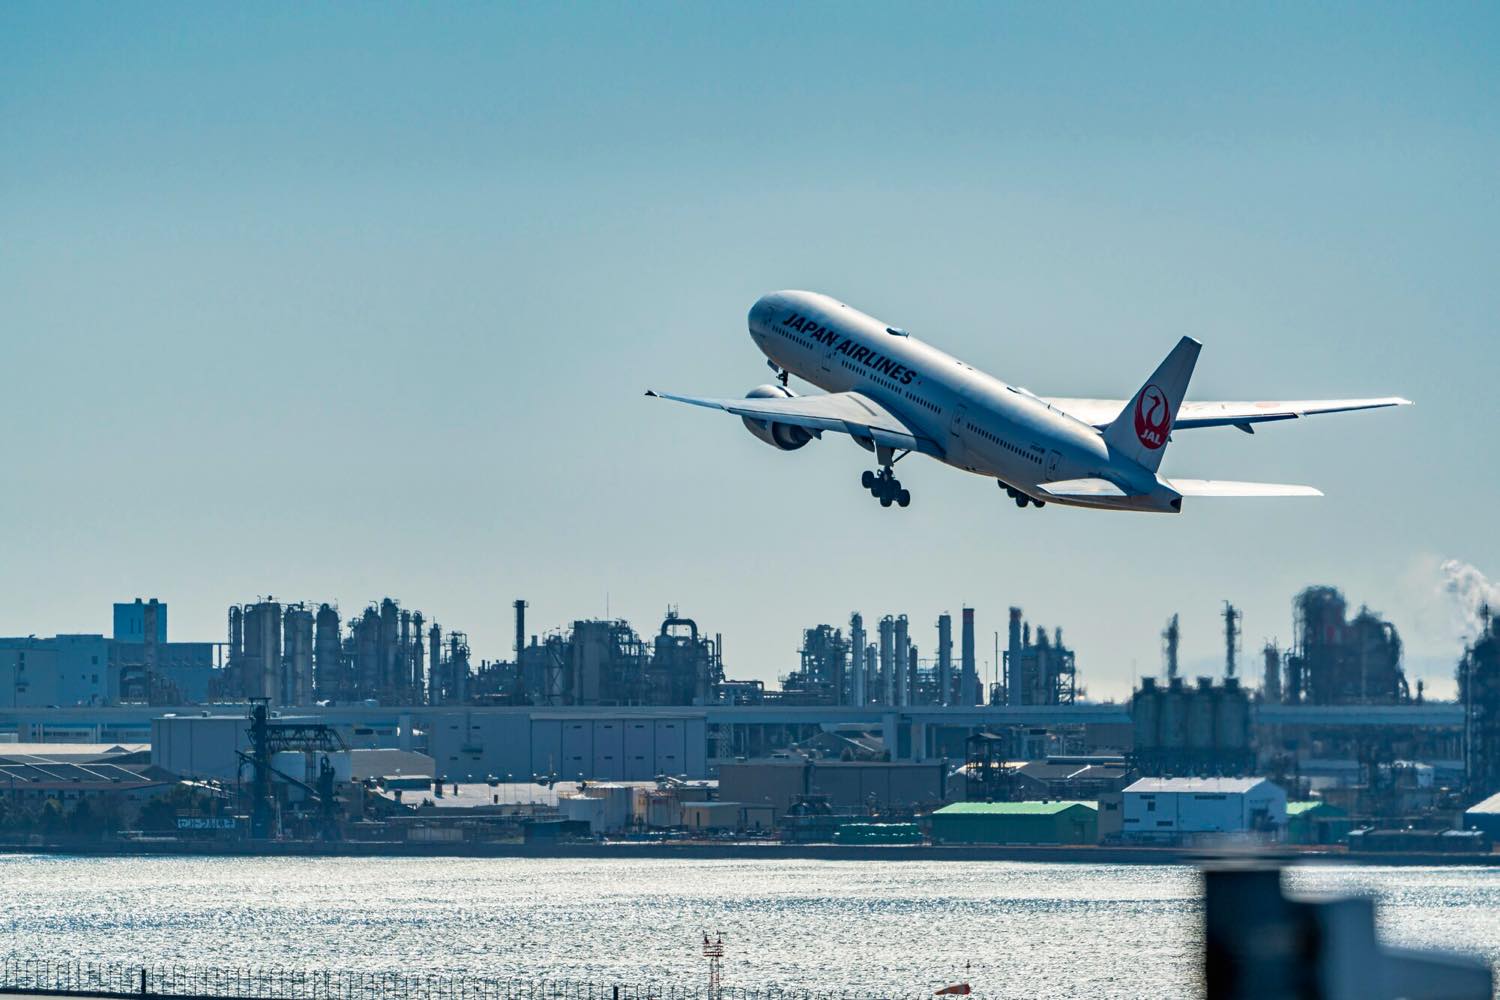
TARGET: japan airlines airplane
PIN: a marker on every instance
(894, 395)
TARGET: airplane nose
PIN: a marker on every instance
(762, 311)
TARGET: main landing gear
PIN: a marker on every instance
(1020, 498)
(885, 487)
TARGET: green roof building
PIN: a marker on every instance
(1315, 822)
(1016, 823)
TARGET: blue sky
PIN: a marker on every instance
(355, 300)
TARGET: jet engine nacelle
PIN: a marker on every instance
(787, 437)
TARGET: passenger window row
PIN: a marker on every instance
(1023, 452)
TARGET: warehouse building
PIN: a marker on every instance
(1016, 823)
(1172, 809)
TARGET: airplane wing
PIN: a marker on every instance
(1100, 412)
(1103, 489)
(849, 413)
(1225, 488)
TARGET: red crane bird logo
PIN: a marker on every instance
(1153, 417)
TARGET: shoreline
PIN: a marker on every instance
(743, 851)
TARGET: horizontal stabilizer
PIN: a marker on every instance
(1227, 488)
(1065, 489)
(1099, 412)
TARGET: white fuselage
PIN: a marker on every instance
(982, 424)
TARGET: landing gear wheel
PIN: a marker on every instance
(1022, 500)
(1039, 504)
(867, 479)
(903, 498)
(885, 499)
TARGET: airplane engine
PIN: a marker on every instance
(786, 437)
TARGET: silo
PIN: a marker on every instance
(887, 657)
(327, 654)
(856, 659)
(945, 659)
(1232, 717)
(1145, 716)
(1200, 715)
(1173, 726)
(903, 655)
(297, 656)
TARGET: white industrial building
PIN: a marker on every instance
(1169, 809)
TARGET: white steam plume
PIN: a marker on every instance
(1471, 591)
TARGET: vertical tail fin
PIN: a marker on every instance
(1141, 430)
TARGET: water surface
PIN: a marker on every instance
(873, 928)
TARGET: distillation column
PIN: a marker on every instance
(887, 660)
(856, 659)
(903, 658)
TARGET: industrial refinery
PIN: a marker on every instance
(310, 720)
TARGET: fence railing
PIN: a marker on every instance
(44, 976)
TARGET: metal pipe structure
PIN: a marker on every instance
(856, 659)
(1014, 676)
(945, 659)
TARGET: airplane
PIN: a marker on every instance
(896, 395)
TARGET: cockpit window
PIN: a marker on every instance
(896, 331)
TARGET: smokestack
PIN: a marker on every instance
(1232, 618)
(945, 659)
(856, 659)
(1016, 645)
(520, 607)
(970, 693)
(1171, 636)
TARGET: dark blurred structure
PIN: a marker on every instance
(1184, 731)
(1039, 669)
(1479, 691)
(1260, 944)
(1336, 660)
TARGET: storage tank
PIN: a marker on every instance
(297, 656)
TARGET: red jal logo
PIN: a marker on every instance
(1153, 418)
